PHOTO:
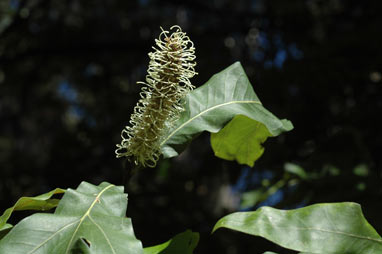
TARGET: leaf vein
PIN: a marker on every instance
(48, 239)
(103, 232)
(86, 215)
(322, 230)
(203, 112)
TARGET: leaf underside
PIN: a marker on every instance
(95, 214)
(336, 228)
(241, 140)
(211, 106)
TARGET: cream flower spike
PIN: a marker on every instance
(168, 81)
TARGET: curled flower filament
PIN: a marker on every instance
(168, 81)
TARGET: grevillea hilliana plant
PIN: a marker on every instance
(168, 81)
(92, 219)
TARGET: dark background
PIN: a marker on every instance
(68, 73)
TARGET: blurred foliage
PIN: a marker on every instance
(68, 72)
(184, 242)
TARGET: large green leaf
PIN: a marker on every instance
(211, 106)
(240, 140)
(42, 202)
(338, 228)
(184, 243)
(95, 214)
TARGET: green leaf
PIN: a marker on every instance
(211, 106)
(4, 230)
(322, 228)
(240, 140)
(94, 213)
(40, 203)
(184, 243)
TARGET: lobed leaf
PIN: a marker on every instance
(95, 214)
(211, 106)
(336, 228)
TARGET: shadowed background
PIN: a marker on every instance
(68, 73)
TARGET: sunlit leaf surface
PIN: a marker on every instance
(95, 214)
(211, 106)
(322, 228)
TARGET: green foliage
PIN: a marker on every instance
(211, 106)
(240, 140)
(296, 170)
(91, 219)
(321, 228)
(251, 198)
(361, 170)
(5, 229)
(184, 243)
(94, 213)
(42, 202)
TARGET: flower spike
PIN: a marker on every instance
(168, 81)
